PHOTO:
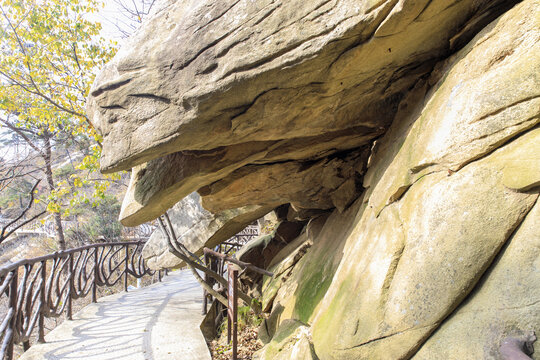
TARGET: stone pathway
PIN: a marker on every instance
(158, 322)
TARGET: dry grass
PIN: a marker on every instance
(247, 345)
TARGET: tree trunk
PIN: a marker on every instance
(47, 156)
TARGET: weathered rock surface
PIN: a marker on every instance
(197, 228)
(229, 72)
(292, 341)
(448, 214)
(262, 250)
(434, 221)
(304, 270)
(233, 83)
(431, 250)
(505, 303)
(325, 184)
(157, 185)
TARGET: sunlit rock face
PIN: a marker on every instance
(440, 257)
(208, 87)
(404, 133)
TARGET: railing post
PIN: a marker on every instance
(96, 274)
(126, 270)
(41, 321)
(13, 320)
(70, 289)
(232, 309)
(205, 294)
(27, 291)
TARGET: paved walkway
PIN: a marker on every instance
(158, 322)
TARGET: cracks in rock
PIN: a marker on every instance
(217, 17)
(289, 48)
(320, 15)
(300, 253)
(245, 108)
(113, 107)
(497, 145)
(214, 43)
(419, 69)
(125, 70)
(275, 55)
(291, 22)
(388, 336)
(424, 9)
(110, 86)
(152, 97)
(228, 48)
(201, 51)
(209, 69)
(420, 167)
(479, 21)
(400, 192)
(500, 110)
(359, 41)
(225, 50)
(266, 15)
(317, 8)
(394, 263)
(519, 307)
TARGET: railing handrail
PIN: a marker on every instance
(45, 286)
(61, 253)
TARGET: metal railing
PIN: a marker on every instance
(32, 290)
(217, 264)
(234, 244)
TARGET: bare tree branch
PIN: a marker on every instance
(193, 266)
(4, 234)
(21, 133)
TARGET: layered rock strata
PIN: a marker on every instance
(235, 83)
(415, 124)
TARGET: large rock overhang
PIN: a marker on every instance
(207, 92)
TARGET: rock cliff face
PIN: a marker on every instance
(412, 124)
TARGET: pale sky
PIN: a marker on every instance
(113, 16)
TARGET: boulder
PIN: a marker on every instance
(209, 91)
(204, 74)
(197, 228)
(156, 186)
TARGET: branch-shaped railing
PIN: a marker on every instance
(32, 290)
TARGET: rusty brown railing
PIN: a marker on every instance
(32, 290)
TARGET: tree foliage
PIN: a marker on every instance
(50, 53)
